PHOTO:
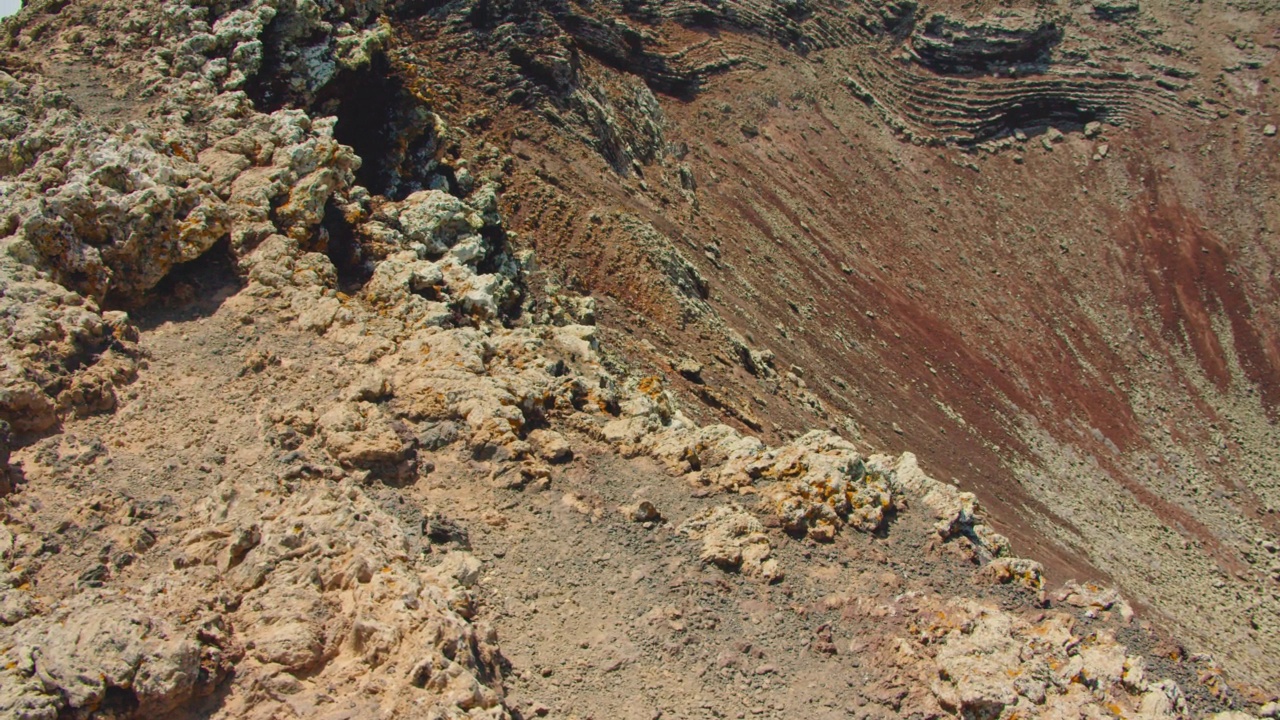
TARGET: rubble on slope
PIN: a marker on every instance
(284, 592)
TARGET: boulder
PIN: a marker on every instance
(733, 539)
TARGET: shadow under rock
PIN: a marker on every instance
(191, 290)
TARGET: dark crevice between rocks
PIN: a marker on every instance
(365, 103)
(886, 526)
(10, 476)
(272, 87)
(537, 416)
(191, 290)
(409, 9)
(116, 702)
(496, 237)
(388, 126)
(343, 250)
(378, 115)
(450, 177)
(498, 256)
(1037, 112)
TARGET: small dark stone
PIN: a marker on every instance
(440, 530)
(94, 577)
(438, 435)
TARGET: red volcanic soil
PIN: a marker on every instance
(959, 305)
(1191, 276)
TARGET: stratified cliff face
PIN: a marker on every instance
(485, 359)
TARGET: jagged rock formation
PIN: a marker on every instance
(311, 593)
(955, 46)
(303, 600)
(188, 536)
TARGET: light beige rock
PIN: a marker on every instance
(643, 511)
(551, 446)
(733, 539)
(360, 434)
(979, 660)
(1095, 599)
(820, 482)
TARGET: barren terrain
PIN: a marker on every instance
(657, 359)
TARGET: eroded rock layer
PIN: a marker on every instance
(315, 312)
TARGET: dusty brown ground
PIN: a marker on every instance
(1081, 328)
(597, 616)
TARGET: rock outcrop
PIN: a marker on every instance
(733, 539)
(279, 571)
(62, 355)
(106, 215)
(980, 661)
(957, 46)
(314, 596)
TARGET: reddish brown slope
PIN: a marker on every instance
(1088, 342)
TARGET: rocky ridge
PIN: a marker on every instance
(287, 588)
(311, 594)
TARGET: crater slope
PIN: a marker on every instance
(487, 359)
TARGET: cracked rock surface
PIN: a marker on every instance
(294, 423)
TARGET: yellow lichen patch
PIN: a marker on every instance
(1028, 573)
(651, 386)
(822, 485)
(786, 472)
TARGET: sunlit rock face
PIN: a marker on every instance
(488, 359)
